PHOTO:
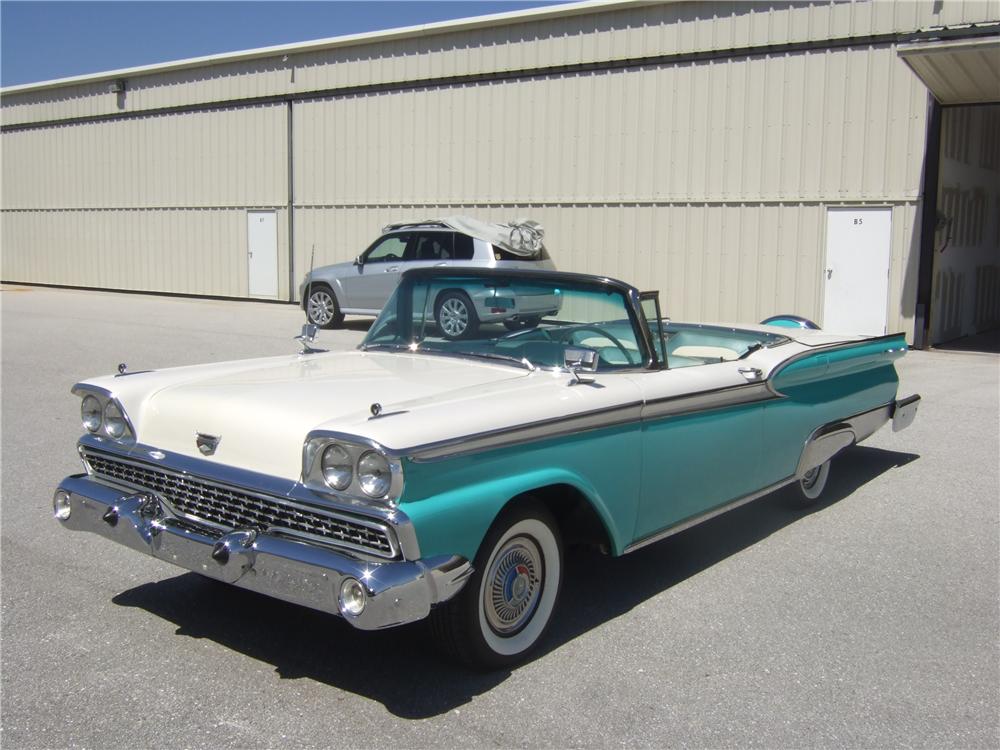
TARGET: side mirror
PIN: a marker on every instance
(579, 360)
(358, 261)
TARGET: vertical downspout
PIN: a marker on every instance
(928, 226)
(291, 207)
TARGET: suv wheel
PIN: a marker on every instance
(322, 308)
(455, 316)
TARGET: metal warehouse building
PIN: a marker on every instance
(839, 160)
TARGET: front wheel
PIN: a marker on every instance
(322, 308)
(504, 609)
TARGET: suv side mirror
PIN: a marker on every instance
(359, 261)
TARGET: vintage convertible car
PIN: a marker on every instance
(423, 475)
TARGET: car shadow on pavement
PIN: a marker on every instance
(400, 667)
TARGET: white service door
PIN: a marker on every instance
(262, 253)
(857, 270)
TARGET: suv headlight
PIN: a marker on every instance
(351, 467)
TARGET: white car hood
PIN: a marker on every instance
(262, 410)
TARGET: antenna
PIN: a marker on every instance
(309, 285)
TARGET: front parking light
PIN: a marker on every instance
(352, 597)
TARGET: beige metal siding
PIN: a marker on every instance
(833, 126)
(187, 251)
(233, 157)
(558, 37)
(707, 178)
(752, 260)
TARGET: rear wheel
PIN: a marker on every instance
(813, 482)
(505, 608)
(455, 315)
(322, 308)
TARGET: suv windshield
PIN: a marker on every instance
(509, 317)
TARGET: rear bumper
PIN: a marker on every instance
(830, 439)
(398, 591)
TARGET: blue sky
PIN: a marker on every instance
(40, 41)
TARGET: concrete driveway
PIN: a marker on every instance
(870, 621)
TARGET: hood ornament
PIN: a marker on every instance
(308, 338)
(207, 443)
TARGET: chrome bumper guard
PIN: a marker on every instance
(398, 591)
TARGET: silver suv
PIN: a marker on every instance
(363, 286)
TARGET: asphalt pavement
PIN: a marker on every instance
(872, 620)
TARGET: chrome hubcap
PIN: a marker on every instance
(810, 478)
(453, 317)
(514, 586)
(320, 307)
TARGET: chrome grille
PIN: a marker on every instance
(230, 507)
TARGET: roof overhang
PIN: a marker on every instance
(959, 71)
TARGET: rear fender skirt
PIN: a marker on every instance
(827, 441)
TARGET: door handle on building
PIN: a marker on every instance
(829, 274)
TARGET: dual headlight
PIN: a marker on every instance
(352, 468)
(104, 416)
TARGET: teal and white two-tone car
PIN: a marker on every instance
(425, 474)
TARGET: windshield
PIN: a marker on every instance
(509, 318)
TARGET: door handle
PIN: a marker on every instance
(390, 269)
(752, 374)
(439, 265)
(829, 274)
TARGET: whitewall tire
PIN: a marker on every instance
(505, 608)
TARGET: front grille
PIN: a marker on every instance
(231, 508)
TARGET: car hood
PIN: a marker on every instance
(262, 410)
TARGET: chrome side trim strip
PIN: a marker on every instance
(635, 412)
(510, 436)
(695, 520)
(718, 398)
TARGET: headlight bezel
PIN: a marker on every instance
(105, 400)
(356, 447)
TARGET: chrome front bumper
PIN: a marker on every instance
(398, 591)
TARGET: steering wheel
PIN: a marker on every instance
(525, 332)
(603, 335)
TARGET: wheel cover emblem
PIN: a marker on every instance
(514, 586)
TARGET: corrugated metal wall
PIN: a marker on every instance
(707, 178)
(550, 37)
